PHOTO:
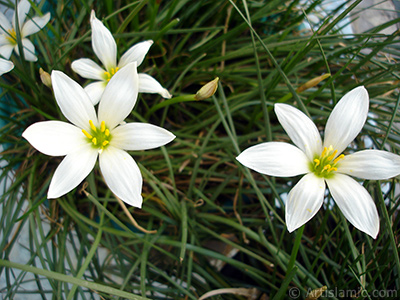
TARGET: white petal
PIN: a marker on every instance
(54, 138)
(5, 66)
(4, 40)
(22, 9)
(73, 101)
(34, 25)
(29, 50)
(148, 84)
(4, 23)
(304, 201)
(103, 43)
(136, 53)
(122, 175)
(95, 90)
(355, 203)
(119, 97)
(275, 159)
(370, 164)
(347, 119)
(72, 171)
(140, 136)
(300, 128)
(87, 68)
(6, 50)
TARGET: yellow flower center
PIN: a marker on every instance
(11, 36)
(111, 73)
(325, 164)
(99, 137)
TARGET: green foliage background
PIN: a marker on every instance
(219, 225)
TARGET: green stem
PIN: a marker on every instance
(89, 256)
(296, 246)
(388, 226)
(70, 279)
(179, 99)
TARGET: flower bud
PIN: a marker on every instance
(45, 77)
(311, 83)
(207, 90)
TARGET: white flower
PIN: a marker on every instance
(323, 162)
(5, 66)
(91, 136)
(8, 35)
(105, 48)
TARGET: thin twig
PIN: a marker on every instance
(129, 215)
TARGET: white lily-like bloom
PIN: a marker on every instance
(322, 162)
(102, 135)
(105, 48)
(5, 66)
(8, 32)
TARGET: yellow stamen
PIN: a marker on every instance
(113, 71)
(323, 152)
(326, 163)
(338, 158)
(333, 155)
(332, 169)
(326, 168)
(87, 134)
(99, 137)
(12, 36)
(92, 126)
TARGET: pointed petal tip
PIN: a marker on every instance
(280, 106)
(134, 201)
(55, 73)
(165, 94)
(359, 88)
(375, 234)
(292, 223)
(173, 136)
(372, 232)
(361, 91)
(240, 157)
(46, 17)
(130, 65)
(92, 15)
(277, 107)
(51, 195)
(290, 227)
